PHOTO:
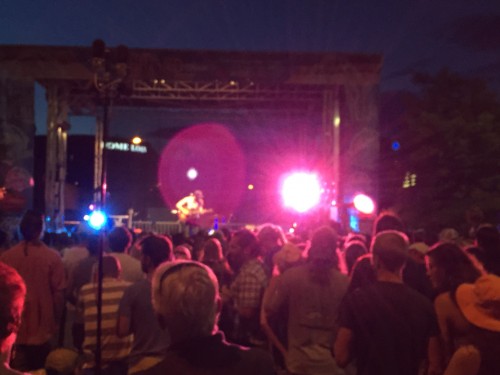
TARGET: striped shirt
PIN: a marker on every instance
(113, 348)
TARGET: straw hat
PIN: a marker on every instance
(480, 302)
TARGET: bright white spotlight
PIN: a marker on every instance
(364, 204)
(192, 173)
(301, 191)
(97, 220)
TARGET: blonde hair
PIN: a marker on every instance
(185, 296)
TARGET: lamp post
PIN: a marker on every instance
(110, 69)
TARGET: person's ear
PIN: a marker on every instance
(146, 261)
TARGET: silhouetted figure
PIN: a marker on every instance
(43, 272)
(136, 315)
(312, 294)
(388, 328)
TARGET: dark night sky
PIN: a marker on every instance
(412, 35)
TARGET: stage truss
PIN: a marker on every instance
(293, 82)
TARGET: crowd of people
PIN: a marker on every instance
(252, 301)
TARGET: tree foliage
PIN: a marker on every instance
(451, 140)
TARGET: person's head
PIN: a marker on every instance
(288, 256)
(198, 195)
(155, 250)
(12, 295)
(322, 255)
(449, 266)
(186, 299)
(242, 247)
(449, 235)
(93, 244)
(182, 252)
(119, 240)
(417, 252)
(390, 251)
(362, 273)
(211, 251)
(63, 361)
(31, 226)
(111, 267)
(270, 236)
(352, 252)
(358, 237)
(324, 246)
(388, 220)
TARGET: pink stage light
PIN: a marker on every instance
(301, 191)
(364, 204)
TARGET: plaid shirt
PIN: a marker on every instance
(248, 287)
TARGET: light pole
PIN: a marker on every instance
(109, 73)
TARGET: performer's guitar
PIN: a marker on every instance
(193, 215)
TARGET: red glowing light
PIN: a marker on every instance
(364, 204)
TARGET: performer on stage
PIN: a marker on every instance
(191, 207)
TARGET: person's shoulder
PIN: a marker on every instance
(443, 302)
(417, 296)
(294, 273)
(10, 251)
(54, 253)
(49, 252)
(139, 287)
(87, 289)
(127, 258)
(250, 360)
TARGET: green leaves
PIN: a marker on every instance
(451, 139)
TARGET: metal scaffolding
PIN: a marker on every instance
(342, 87)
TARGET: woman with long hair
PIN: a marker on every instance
(449, 267)
(311, 294)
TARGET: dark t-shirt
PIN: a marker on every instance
(212, 356)
(391, 324)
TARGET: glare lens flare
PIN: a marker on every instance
(364, 204)
(192, 173)
(301, 191)
(97, 220)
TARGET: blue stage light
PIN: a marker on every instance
(97, 220)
